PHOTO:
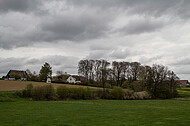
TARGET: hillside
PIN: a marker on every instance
(20, 85)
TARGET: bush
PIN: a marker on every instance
(107, 85)
(88, 94)
(142, 95)
(126, 85)
(117, 93)
(128, 94)
(77, 93)
(46, 92)
(27, 92)
(138, 86)
(63, 92)
(74, 93)
(18, 93)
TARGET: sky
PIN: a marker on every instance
(63, 32)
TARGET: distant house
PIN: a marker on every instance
(48, 80)
(71, 79)
(16, 75)
(184, 83)
(75, 79)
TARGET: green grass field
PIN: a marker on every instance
(20, 112)
(184, 93)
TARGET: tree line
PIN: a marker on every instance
(156, 79)
(45, 72)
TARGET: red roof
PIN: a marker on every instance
(183, 82)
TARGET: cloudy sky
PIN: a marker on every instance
(61, 32)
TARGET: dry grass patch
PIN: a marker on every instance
(21, 85)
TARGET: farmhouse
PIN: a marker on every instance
(184, 83)
(75, 79)
(71, 79)
(48, 80)
(16, 75)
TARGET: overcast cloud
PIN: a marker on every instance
(62, 32)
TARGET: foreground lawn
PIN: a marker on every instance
(95, 113)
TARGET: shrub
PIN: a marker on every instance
(46, 92)
(98, 94)
(74, 93)
(138, 86)
(128, 94)
(77, 93)
(126, 85)
(27, 92)
(142, 95)
(107, 85)
(63, 92)
(117, 93)
(18, 93)
(88, 94)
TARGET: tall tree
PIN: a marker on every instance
(45, 72)
(104, 71)
(134, 70)
(159, 75)
(119, 69)
(91, 70)
(83, 68)
(97, 71)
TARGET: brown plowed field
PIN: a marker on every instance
(6, 85)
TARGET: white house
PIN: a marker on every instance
(48, 80)
(71, 80)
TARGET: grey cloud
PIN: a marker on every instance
(75, 28)
(181, 62)
(108, 54)
(86, 21)
(98, 54)
(7, 64)
(18, 5)
(58, 62)
(141, 26)
(101, 46)
(149, 60)
(120, 54)
(182, 69)
(147, 7)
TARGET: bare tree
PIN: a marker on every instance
(97, 71)
(159, 75)
(119, 70)
(91, 70)
(134, 70)
(83, 68)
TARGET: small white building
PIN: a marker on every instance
(71, 80)
(48, 80)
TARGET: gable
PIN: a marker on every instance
(23, 74)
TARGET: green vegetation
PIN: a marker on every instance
(74, 93)
(46, 71)
(47, 92)
(10, 96)
(19, 111)
(158, 80)
(184, 93)
(117, 93)
(96, 112)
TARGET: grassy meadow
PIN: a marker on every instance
(19, 112)
(184, 93)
